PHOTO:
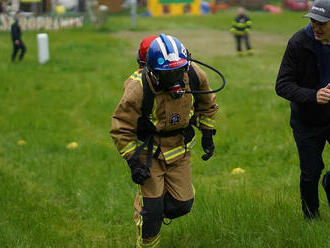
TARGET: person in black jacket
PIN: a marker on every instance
(16, 36)
(304, 80)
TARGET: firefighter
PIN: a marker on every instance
(241, 27)
(141, 57)
(152, 129)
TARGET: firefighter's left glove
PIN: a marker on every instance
(140, 172)
(207, 143)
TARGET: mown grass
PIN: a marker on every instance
(54, 197)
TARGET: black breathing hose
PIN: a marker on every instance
(213, 69)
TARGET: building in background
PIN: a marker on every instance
(35, 6)
(155, 7)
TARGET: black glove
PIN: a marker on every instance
(207, 143)
(139, 171)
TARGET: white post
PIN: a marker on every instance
(89, 6)
(43, 50)
(53, 6)
(133, 13)
(15, 6)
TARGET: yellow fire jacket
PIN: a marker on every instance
(167, 114)
(241, 25)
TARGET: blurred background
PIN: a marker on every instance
(62, 181)
(145, 7)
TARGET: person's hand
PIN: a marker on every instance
(17, 42)
(207, 143)
(323, 95)
(140, 172)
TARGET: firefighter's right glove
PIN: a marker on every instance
(207, 143)
(140, 172)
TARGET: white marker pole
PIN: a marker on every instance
(43, 50)
(133, 13)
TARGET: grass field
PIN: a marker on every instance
(54, 197)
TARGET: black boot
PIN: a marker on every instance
(310, 214)
(326, 185)
(309, 199)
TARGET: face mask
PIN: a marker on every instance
(172, 81)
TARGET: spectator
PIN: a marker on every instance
(16, 36)
(304, 80)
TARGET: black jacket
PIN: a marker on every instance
(298, 81)
(15, 31)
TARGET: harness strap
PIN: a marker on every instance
(193, 83)
(149, 143)
(170, 133)
(148, 96)
(149, 156)
(140, 148)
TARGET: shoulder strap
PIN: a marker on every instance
(144, 126)
(148, 96)
(193, 82)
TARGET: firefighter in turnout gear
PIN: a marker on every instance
(241, 27)
(141, 57)
(152, 128)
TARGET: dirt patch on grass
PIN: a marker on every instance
(205, 42)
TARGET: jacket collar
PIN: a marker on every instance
(309, 31)
(309, 40)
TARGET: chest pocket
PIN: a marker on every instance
(178, 112)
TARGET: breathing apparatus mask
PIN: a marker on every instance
(172, 81)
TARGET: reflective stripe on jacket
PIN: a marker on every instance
(241, 25)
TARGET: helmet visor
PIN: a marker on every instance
(169, 78)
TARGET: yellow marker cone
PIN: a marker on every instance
(237, 171)
(72, 145)
(21, 142)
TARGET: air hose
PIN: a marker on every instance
(213, 69)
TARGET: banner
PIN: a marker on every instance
(41, 22)
(31, 1)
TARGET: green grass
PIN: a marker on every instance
(54, 197)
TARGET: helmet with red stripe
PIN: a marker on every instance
(167, 61)
(166, 53)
